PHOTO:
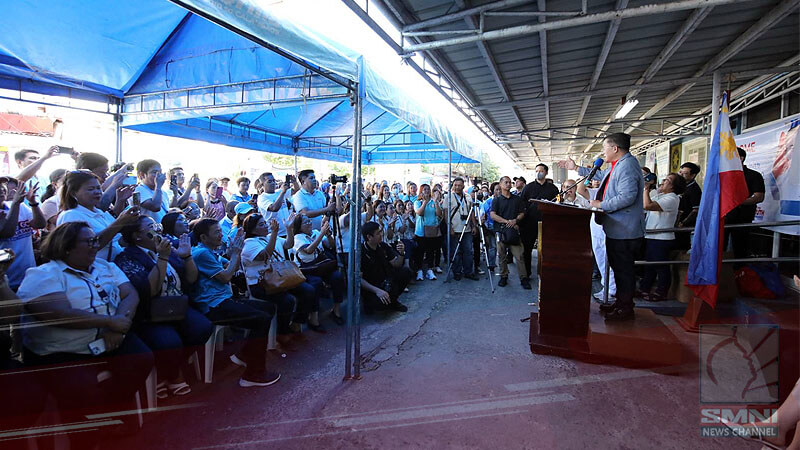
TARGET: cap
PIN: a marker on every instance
(243, 208)
(520, 178)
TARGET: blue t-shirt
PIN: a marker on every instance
(241, 198)
(225, 225)
(208, 291)
(486, 208)
(428, 219)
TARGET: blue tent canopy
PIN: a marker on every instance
(177, 74)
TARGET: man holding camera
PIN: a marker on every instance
(272, 204)
(383, 277)
(461, 222)
(506, 213)
(310, 201)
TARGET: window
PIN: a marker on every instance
(764, 113)
(793, 99)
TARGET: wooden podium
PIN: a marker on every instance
(568, 324)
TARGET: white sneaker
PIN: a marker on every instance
(438, 269)
(236, 360)
(430, 275)
(420, 276)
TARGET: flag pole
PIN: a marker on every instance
(716, 85)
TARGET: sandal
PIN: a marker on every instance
(162, 391)
(179, 389)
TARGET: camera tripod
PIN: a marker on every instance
(338, 246)
(473, 209)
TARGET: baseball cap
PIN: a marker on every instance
(243, 208)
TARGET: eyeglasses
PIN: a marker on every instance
(92, 242)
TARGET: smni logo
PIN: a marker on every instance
(739, 364)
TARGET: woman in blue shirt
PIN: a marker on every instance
(426, 232)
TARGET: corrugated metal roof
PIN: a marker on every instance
(572, 55)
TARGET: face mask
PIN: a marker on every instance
(540, 175)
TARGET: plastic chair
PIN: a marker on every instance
(150, 387)
(213, 344)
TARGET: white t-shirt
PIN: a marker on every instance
(301, 240)
(311, 202)
(98, 221)
(252, 247)
(387, 224)
(96, 291)
(344, 226)
(22, 245)
(665, 218)
(265, 201)
(171, 195)
(51, 206)
(145, 193)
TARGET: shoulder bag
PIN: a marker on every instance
(168, 308)
(280, 276)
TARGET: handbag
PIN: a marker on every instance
(168, 308)
(280, 276)
(322, 266)
(509, 236)
(431, 231)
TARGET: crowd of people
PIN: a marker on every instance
(133, 260)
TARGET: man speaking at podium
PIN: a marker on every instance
(620, 197)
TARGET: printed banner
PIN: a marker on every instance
(662, 160)
(774, 151)
(695, 151)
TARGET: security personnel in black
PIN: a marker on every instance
(538, 189)
(690, 202)
(746, 211)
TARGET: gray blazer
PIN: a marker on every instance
(622, 203)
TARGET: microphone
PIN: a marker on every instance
(597, 164)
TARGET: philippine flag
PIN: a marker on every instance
(724, 188)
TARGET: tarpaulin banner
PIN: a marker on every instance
(774, 151)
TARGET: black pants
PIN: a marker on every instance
(621, 254)
(657, 250)
(411, 254)
(173, 342)
(252, 315)
(528, 236)
(425, 252)
(75, 386)
(741, 237)
(72, 380)
(399, 280)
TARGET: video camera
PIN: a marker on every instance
(336, 179)
(476, 181)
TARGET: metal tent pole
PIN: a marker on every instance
(295, 162)
(354, 307)
(118, 131)
(449, 208)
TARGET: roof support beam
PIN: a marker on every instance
(741, 90)
(398, 14)
(491, 64)
(613, 27)
(680, 36)
(522, 30)
(754, 32)
(543, 57)
(624, 89)
(463, 14)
